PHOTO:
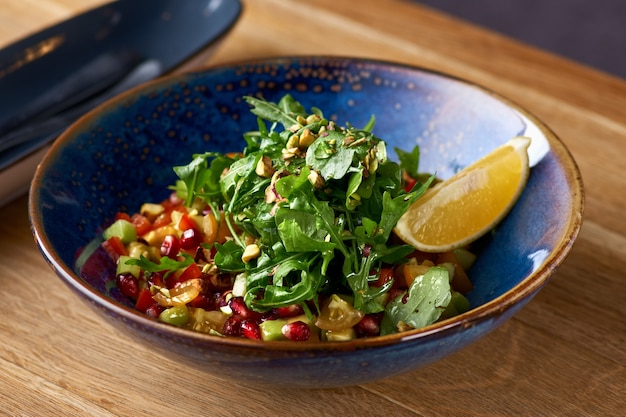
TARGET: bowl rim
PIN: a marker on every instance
(522, 291)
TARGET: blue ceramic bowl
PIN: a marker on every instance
(121, 154)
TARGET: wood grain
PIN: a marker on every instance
(563, 354)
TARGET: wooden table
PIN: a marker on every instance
(564, 354)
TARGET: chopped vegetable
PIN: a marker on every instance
(290, 239)
(123, 229)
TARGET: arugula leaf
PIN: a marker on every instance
(393, 255)
(200, 179)
(359, 189)
(302, 225)
(239, 170)
(409, 161)
(260, 222)
(303, 285)
(370, 124)
(287, 185)
(299, 233)
(328, 156)
(394, 208)
(193, 176)
(165, 264)
(428, 297)
(290, 106)
(228, 257)
(285, 113)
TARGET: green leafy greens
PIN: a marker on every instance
(313, 196)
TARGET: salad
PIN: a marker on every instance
(290, 239)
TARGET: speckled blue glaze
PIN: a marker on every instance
(121, 155)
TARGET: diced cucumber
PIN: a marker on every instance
(123, 267)
(465, 257)
(123, 229)
(458, 304)
(272, 329)
(449, 266)
(177, 315)
(461, 303)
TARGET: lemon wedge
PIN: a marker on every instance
(469, 204)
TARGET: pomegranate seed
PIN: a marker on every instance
(170, 246)
(369, 325)
(250, 329)
(155, 278)
(239, 307)
(190, 239)
(395, 293)
(220, 299)
(154, 310)
(384, 277)
(232, 326)
(405, 298)
(297, 331)
(128, 285)
(269, 315)
(204, 301)
(288, 311)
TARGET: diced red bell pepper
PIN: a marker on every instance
(409, 184)
(191, 272)
(115, 248)
(162, 219)
(191, 236)
(144, 300)
(142, 224)
(186, 222)
(122, 216)
(174, 203)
